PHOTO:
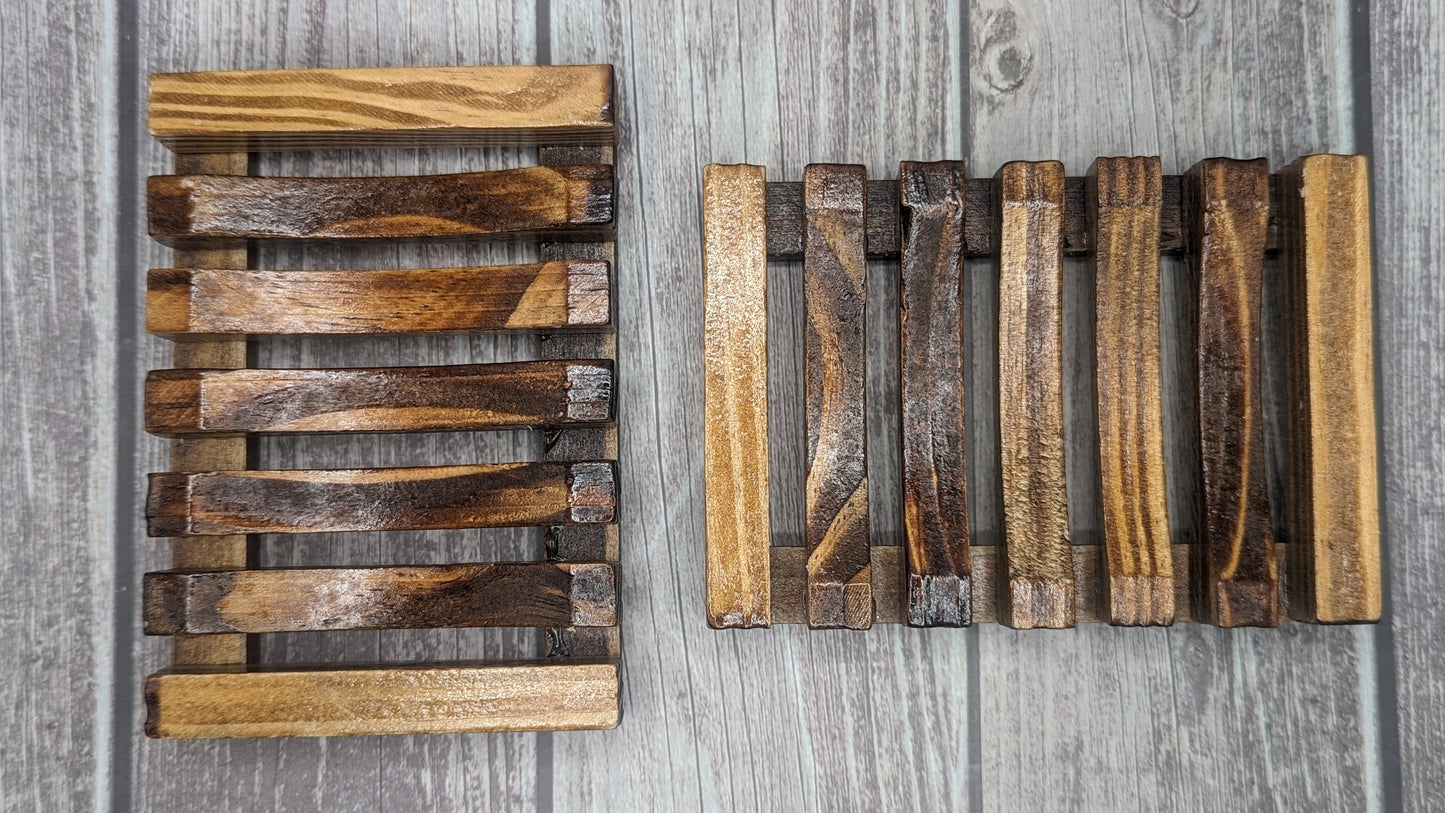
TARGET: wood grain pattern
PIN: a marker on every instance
(231, 550)
(432, 497)
(379, 399)
(1124, 200)
(931, 326)
(200, 302)
(735, 395)
(1039, 588)
(496, 594)
(558, 202)
(217, 111)
(1333, 490)
(1228, 205)
(835, 290)
(382, 700)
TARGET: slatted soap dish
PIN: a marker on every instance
(209, 302)
(1225, 215)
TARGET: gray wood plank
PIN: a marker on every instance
(57, 395)
(1407, 52)
(785, 718)
(1191, 717)
(496, 771)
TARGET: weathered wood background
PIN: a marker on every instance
(1095, 718)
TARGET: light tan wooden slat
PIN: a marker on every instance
(436, 698)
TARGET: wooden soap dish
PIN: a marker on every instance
(210, 302)
(1224, 215)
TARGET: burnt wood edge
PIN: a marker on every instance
(884, 218)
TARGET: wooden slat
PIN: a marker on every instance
(834, 283)
(1332, 487)
(735, 395)
(1227, 206)
(502, 594)
(201, 302)
(1039, 588)
(347, 108)
(883, 222)
(990, 600)
(1124, 202)
(380, 399)
(480, 496)
(202, 454)
(341, 700)
(560, 202)
(931, 327)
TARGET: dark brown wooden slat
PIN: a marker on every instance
(189, 303)
(358, 107)
(1038, 588)
(1227, 209)
(499, 594)
(785, 218)
(1124, 202)
(931, 327)
(835, 284)
(480, 496)
(561, 202)
(1332, 486)
(381, 399)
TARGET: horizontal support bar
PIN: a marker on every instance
(522, 105)
(398, 499)
(564, 202)
(790, 584)
(196, 303)
(500, 594)
(884, 220)
(184, 403)
(401, 699)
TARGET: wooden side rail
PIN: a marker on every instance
(492, 594)
(327, 701)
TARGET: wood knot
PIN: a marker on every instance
(1007, 59)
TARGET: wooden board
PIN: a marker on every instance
(931, 397)
(1227, 202)
(1039, 588)
(398, 499)
(572, 201)
(200, 302)
(440, 106)
(379, 399)
(386, 700)
(835, 288)
(735, 432)
(1124, 198)
(505, 594)
(1332, 498)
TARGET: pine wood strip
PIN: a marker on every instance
(1039, 588)
(883, 221)
(1124, 197)
(581, 543)
(1332, 487)
(202, 454)
(735, 395)
(494, 594)
(201, 302)
(986, 569)
(298, 501)
(341, 700)
(1227, 208)
(572, 201)
(353, 107)
(835, 289)
(931, 327)
(379, 399)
